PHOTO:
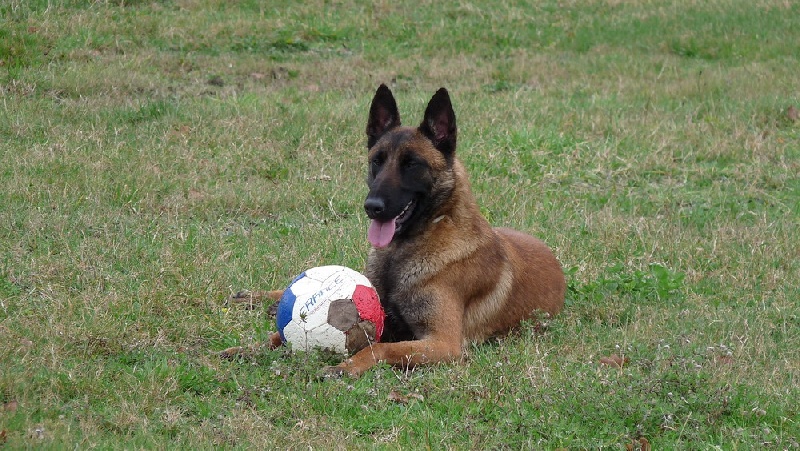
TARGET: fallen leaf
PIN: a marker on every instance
(792, 113)
(400, 398)
(10, 406)
(3, 436)
(725, 359)
(614, 361)
(642, 445)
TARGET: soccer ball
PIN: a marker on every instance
(330, 307)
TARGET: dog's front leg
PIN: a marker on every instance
(404, 354)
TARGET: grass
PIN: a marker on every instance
(159, 156)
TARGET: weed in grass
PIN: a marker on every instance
(658, 284)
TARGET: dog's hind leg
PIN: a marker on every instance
(252, 350)
(249, 299)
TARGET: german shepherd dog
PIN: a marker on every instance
(444, 276)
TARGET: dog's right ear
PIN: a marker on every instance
(383, 115)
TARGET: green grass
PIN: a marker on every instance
(157, 156)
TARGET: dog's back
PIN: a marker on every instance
(538, 279)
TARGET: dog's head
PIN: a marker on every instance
(406, 166)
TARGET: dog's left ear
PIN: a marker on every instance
(439, 124)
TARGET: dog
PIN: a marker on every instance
(444, 276)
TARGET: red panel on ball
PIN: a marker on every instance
(369, 307)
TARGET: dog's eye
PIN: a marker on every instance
(376, 162)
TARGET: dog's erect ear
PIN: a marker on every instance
(383, 115)
(439, 123)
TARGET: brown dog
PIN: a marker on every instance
(445, 277)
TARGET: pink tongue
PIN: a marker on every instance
(380, 233)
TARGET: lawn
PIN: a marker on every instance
(158, 156)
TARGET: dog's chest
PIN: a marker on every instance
(394, 274)
(401, 284)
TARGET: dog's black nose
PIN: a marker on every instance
(374, 206)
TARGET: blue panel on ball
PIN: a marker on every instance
(286, 306)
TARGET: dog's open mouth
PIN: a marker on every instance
(380, 233)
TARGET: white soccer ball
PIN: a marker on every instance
(330, 307)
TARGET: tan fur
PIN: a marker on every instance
(483, 280)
